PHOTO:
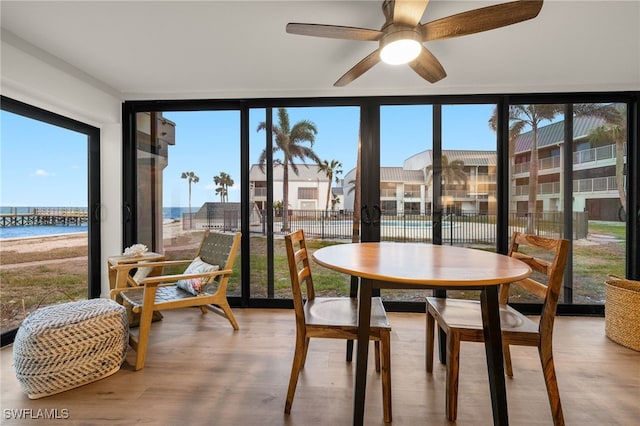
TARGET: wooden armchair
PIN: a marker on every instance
(331, 317)
(461, 320)
(207, 276)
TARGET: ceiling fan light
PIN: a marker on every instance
(400, 45)
(400, 51)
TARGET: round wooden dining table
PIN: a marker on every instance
(417, 266)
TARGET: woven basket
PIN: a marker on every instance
(622, 312)
(64, 346)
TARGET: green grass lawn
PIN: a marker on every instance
(594, 258)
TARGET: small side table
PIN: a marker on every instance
(118, 276)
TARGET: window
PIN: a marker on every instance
(437, 172)
(50, 186)
(307, 193)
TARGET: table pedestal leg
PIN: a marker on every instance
(493, 348)
(364, 325)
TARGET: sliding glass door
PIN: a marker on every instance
(303, 174)
(49, 222)
(464, 171)
(187, 168)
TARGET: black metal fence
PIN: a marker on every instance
(467, 228)
(456, 228)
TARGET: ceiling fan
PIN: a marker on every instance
(402, 35)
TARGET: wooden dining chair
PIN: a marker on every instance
(203, 284)
(461, 320)
(331, 317)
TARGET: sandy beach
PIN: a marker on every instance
(43, 243)
(171, 229)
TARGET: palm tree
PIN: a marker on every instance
(191, 176)
(335, 199)
(222, 192)
(357, 201)
(330, 169)
(521, 117)
(289, 140)
(614, 129)
(224, 181)
(452, 172)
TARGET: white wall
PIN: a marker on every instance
(32, 76)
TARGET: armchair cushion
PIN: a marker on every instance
(195, 285)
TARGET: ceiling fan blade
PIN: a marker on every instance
(428, 67)
(360, 68)
(334, 31)
(408, 12)
(482, 19)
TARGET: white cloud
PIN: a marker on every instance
(42, 172)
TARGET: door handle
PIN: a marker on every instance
(96, 212)
(365, 215)
(377, 214)
(127, 213)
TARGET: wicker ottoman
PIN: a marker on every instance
(64, 346)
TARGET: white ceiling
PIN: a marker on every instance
(233, 49)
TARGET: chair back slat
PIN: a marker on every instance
(539, 265)
(533, 286)
(299, 271)
(554, 271)
(219, 249)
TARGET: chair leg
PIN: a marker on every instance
(146, 316)
(305, 351)
(508, 368)
(453, 366)
(376, 345)
(430, 341)
(224, 305)
(549, 371)
(143, 337)
(298, 362)
(385, 343)
(349, 355)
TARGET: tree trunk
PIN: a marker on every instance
(189, 199)
(285, 197)
(533, 183)
(620, 174)
(330, 177)
(355, 235)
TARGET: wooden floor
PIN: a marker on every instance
(199, 371)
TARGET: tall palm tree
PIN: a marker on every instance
(191, 176)
(521, 117)
(290, 141)
(224, 181)
(330, 169)
(452, 172)
(222, 192)
(357, 201)
(614, 129)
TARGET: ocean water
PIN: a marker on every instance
(39, 231)
(168, 213)
(175, 212)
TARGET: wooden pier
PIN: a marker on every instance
(40, 217)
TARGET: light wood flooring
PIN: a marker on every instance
(200, 372)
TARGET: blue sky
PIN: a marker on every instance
(46, 166)
(41, 165)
